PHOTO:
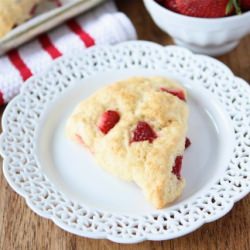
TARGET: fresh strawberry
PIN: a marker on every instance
(170, 4)
(245, 5)
(179, 93)
(80, 140)
(108, 120)
(143, 132)
(33, 10)
(177, 167)
(187, 143)
(206, 8)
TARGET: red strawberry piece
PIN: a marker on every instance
(80, 140)
(187, 143)
(58, 3)
(245, 4)
(108, 120)
(205, 8)
(143, 132)
(33, 10)
(171, 5)
(179, 93)
(177, 167)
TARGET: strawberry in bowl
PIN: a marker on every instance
(204, 26)
(206, 8)
(245, 5)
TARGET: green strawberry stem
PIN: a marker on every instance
(231, 4)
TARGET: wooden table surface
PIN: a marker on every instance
(20, 228)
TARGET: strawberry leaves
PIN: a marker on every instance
(233, 4)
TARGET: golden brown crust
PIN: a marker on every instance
(149, 165)
(13, 13)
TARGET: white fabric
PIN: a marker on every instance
(104, 24)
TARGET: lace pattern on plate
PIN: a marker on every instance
(24, 112)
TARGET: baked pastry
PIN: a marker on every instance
(13, 12)
(136, 130)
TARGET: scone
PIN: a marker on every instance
(136, 130)
(14, 12)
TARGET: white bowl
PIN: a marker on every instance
(211, 36)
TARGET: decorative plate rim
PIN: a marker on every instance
(44, 199)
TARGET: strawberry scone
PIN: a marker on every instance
(14, 12)
(136, 130)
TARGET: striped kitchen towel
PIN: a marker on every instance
(102, 25)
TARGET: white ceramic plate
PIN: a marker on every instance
(61, 181)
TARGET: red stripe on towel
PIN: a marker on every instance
(19, 64)
(48, 46)
(84, 36)
(1, 98)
